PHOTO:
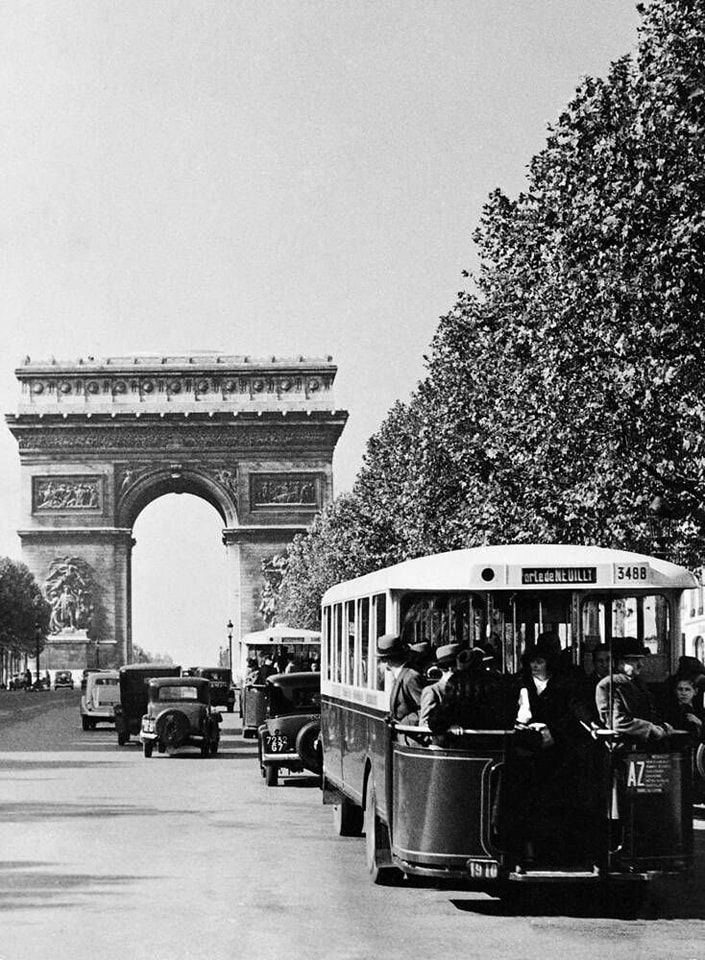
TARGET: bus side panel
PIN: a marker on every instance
(442, 805)
(355, 727)
(331, 723)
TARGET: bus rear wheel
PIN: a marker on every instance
(377, 848)
(347, 819)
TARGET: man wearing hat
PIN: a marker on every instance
(405, 696)
(468, 695)
(434, 713)
(623, 701)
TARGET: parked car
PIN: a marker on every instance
(133, 696)
(99, 700)
(179, 713)
(86, 673)
(288, 737)
(222, 690)
(63, 678)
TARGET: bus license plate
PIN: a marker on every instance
(277, 743)
(483, 869)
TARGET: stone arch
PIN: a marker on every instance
(100, 439)
(151, 483)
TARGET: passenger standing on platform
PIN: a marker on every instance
(405, 697)
(623, 700)
(434, 712)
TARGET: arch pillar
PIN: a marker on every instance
(247, 547)
(108, 551)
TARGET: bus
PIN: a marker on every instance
(450, 810)
(267, 652)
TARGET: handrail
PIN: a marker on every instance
(457, 731)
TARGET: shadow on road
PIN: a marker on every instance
(27, 812)
(29, 885)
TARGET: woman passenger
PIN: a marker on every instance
(683, 711)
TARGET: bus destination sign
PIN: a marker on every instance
(540, 576)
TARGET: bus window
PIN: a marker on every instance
(337, 642)
(646, 617)
(516, 621)
(437, 619)
(379, 620)
(348, 662)
(363, 627)
(326, 651)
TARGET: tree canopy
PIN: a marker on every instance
(565, 389)
(24, 612)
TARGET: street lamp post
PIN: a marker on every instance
(229, 626)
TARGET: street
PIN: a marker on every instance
(106, 854)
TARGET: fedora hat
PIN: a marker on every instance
(390, 645)
(627, 647)
(447, 653)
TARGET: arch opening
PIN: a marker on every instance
(179, 582)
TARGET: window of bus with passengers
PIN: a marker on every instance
(506, 624)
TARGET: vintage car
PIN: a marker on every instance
(179, 714)
(101, 695)
(222, 690)
(63, 678)
(288, 737)
(133, 696)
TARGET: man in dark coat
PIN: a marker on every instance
(405, 696)
(623, 701)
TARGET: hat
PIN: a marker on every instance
(689, 668)
(420, 649)
(447, 653)
(390, 645)
(542, 650)
(472, 658)
(627, 647)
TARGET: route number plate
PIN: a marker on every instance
(483, 869)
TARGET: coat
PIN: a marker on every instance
(633, 710)
(405, 696)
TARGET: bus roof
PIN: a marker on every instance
(523, 566)
(281, 633)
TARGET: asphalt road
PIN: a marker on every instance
(104, 854)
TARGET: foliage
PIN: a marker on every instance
(565, 389)
(24, 613)
(139, 655)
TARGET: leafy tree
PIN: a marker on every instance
(24, 613)
(564, 399)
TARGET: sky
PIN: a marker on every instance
(260, 177)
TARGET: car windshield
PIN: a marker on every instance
(178, 693)
(214, 674)
(106, 681)
(287, 699)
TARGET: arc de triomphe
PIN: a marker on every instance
(100, 439)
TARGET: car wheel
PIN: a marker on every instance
(161, 747)
(271, 775)
(347, 819)
(85, 723)
(377, 848)
(147, 748)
